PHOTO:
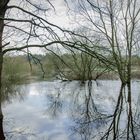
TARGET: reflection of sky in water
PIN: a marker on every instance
(31, 116)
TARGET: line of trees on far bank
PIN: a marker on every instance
(67, 66)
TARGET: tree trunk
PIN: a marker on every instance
(2, 137)
(1, 114)
(130, 125)
(3, 6)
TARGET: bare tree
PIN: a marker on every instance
(23, 25)
(117, 23)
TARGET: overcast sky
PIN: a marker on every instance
(60, 16)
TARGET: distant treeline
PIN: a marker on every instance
(79, 66)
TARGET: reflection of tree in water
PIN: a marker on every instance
(10, 91)
(21, 133)
(113, 128)
(113, 131)
(90, 123)
(88, 118)
(55, 102)
(55, 105)
(123, 110)
(137, 118)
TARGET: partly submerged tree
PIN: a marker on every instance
(116, 25)
(116, 22)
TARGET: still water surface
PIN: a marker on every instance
(64, 110)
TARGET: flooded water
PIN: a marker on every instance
(66, 110)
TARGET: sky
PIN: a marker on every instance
(58, 13)
(59, 16)
(65, 17)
